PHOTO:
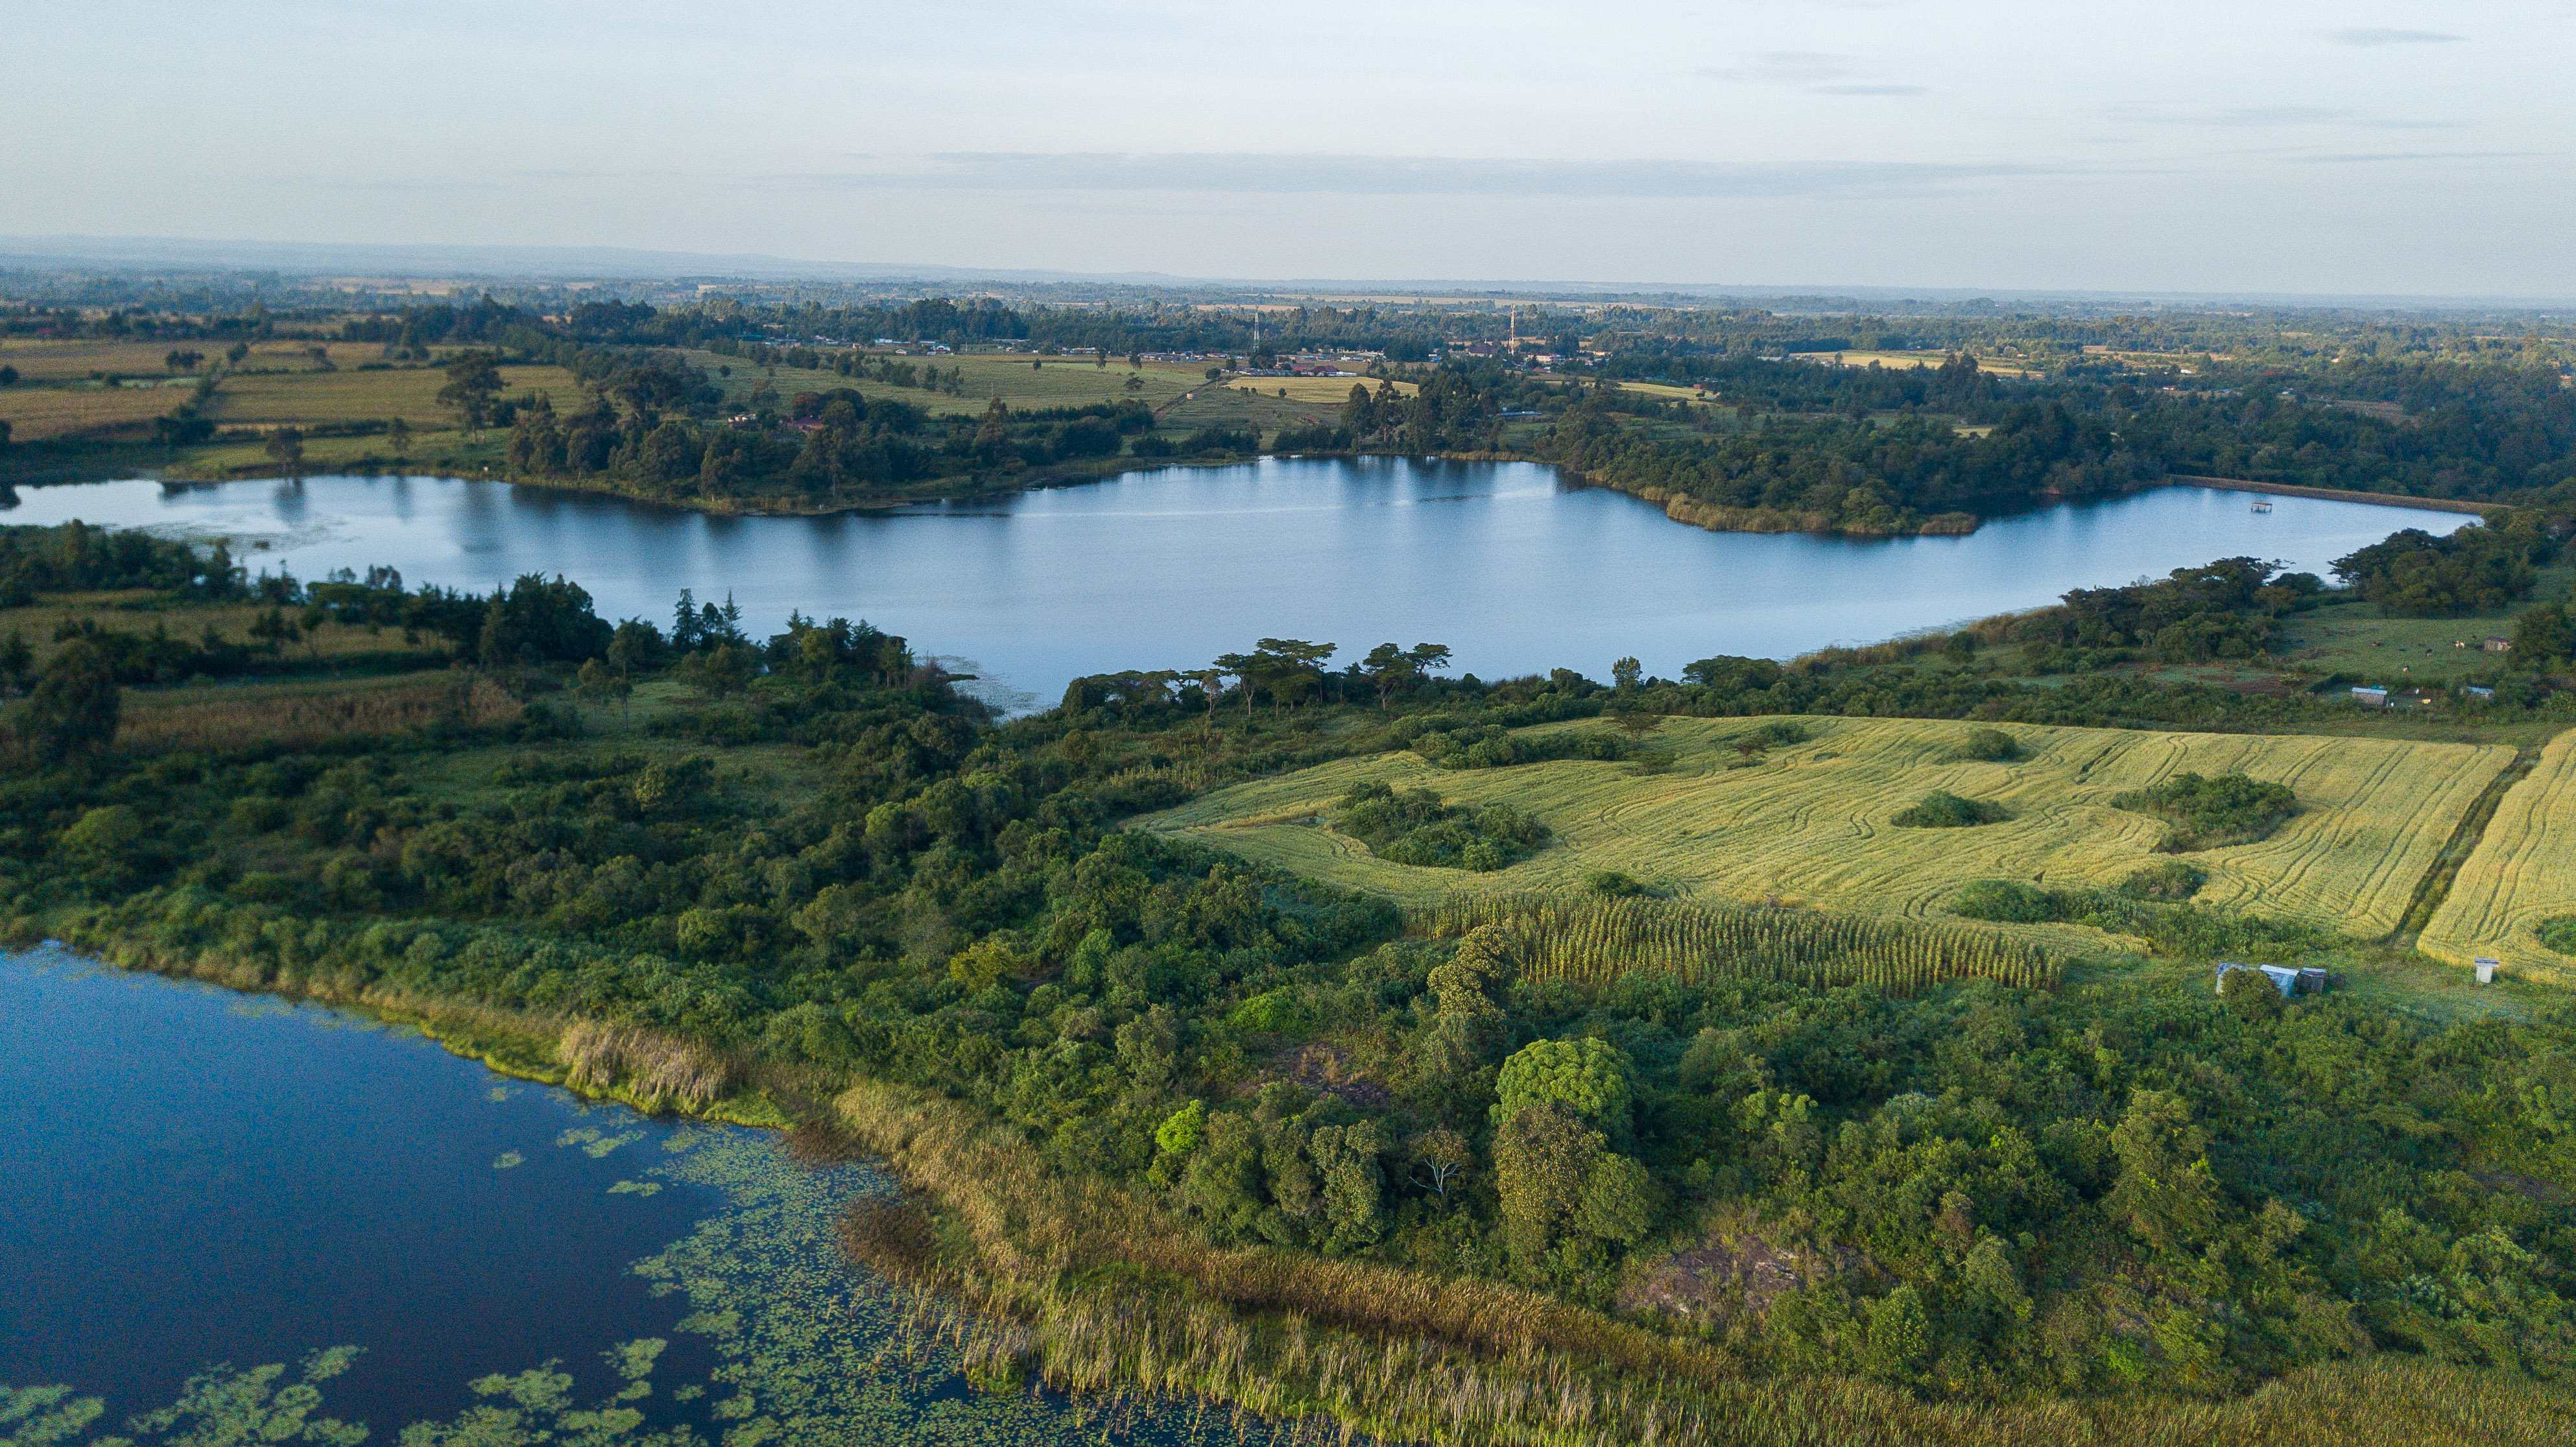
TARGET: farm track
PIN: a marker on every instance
(2434, 889)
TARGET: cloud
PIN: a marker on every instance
(1310, 174)
(2373, 35)
(1818, 72)
(2372, 158)
(1786, 67)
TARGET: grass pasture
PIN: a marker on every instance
(1326, 392)
(2522, 872)
(1054, 382)
(1904, 361)
(37, 413)
(50, 360)
(1809, 823)
(349, 395)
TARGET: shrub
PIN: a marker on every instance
(1616, 884)
(2006, 901)
(2207, 813)
(1416, 828)
(1987, 746)
(1943, 810)
(2167, 881)
(2558, 934)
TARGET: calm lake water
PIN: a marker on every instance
(204, 1182)
(1514, 569)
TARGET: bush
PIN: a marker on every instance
(1416, 828)
(1943, 810)
(1987, 746)
(2558, 934)
(2167, 881)
(2207, 813)
(1617, 884)
(2006, 901)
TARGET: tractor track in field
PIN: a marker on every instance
(2435, 886)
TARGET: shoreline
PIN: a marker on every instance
(1679, 507)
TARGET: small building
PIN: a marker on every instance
(2370, 696)
(2288, 981)
(2486, 970)
(2478, 691)
(2496, 644)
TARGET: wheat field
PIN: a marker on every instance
(2522, 872)
(1809, 823)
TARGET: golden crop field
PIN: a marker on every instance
(1903, 361)
(1314, 391)
(2522, 872)
(36, 413)
(349, 395)
(41, 359)
(1054, 382)
(1810, 823)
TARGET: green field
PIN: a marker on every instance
(1810, 823)
(1051, 382)
(411, 393)
(37, 413)
(2522, 873)
(1905, 361)
(2362, 641)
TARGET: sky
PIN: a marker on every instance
(2255, 146)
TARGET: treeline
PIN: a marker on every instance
(1916, 474)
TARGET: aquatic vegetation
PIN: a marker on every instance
(596, 1143)
(499, 1093)
(636, 1188)
(507, 1160)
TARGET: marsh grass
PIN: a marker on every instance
(659, 1070)
(302, 715)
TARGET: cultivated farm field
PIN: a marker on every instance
(2522, 873)
(1054, 382)
(1904, 361)
(37, 413)
(410, 393)
(1315, 391)
(1810, 822)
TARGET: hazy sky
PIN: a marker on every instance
(2272, 145)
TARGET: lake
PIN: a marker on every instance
(1512, 567)
(203, 1184)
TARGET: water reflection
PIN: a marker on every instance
(1514, 570)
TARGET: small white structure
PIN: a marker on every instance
(2288, 981)
(2486, 971)
(2370, 696)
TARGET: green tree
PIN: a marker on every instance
(73, 709)
(2166, 1193)
(1589, 1077)
(473, 385)
(398, 438)
(2544, 635)
(285, 447)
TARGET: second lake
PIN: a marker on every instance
(1515, 569)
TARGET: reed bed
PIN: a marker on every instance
(1592, 941)
(219, 719)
